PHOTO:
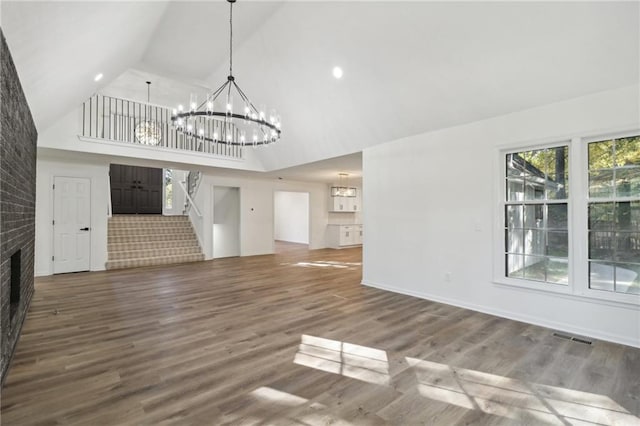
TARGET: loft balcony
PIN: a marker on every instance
(122, 121)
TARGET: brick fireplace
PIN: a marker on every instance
(18, 139)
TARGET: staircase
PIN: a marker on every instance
(145, 240)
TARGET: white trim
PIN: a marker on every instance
(111, 142)
(560, 326)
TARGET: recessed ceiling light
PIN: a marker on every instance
(98, 77)
(337, 72)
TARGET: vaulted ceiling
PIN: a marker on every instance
(409, 67)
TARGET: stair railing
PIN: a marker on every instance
(190, 201)
(192, 184)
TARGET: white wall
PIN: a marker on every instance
(257, 212)
(98, 173)
(291, 216)
(431, 200)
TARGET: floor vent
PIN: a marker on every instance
(562, 336)
(573, 338)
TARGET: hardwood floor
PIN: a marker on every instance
(293, 338)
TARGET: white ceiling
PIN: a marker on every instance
(410, 67)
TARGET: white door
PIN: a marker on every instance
(71, 224)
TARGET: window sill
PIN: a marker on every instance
(627, 301)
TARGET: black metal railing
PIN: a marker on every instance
(116, 119)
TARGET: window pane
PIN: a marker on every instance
(514, 242)
(534, 188)
(534, 242)
(557, 216)
(558, 244)
(601, 216)
(627, 278)
(628, 247)
(601, 245)
(628, 151)
(515, 189)
(557, 173)
(535, 268)
(515, 265)
(533, 215)
(628, 182)
(558, 271)
(600, 276)
(601, 155)
(627, 215)
(512, 166)
(601, 183)
(513, 216)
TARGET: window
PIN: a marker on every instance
(569, 218)
(168, 188)
(536, 238)
(614, 215)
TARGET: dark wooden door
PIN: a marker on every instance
(135, 190)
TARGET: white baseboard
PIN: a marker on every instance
(560, 326)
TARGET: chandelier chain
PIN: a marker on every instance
(230, 38)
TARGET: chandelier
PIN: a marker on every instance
(147, 132)
(343, 189)
(215, 120)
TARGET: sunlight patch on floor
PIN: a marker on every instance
(354, 361)
(274, 396)
(326, 264)
(515, 399)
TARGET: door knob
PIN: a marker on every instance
(84, 229)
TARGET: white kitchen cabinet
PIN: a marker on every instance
(357, 234)
(346, 204)
(344, 235)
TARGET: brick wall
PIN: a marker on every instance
(18, 138)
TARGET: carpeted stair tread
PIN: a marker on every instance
(150, 261)
(137, 254)
(149, 245)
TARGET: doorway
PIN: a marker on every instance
(136, 190)
(291, 218)
(226, 221)
(71, 224)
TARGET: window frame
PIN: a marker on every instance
(499, 249)
(577, 223)
(584, 209)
